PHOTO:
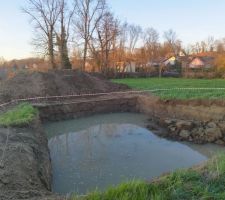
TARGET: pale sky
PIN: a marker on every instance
(193, 20)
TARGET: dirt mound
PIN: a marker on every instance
(37, 84)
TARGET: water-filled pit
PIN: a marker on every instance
(105, 150)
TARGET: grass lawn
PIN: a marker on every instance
(174, 83)
(20, 115)
(207, 183)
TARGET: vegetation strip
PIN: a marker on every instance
(20, 115)
(205, 182)
(178, 88)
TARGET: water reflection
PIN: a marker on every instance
(87, 156)
(208, 150)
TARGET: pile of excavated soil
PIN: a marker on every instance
(54, 83)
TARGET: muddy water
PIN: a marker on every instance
(104, 150)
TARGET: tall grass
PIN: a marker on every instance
(126, 191)
(20, 115)
(206, 183)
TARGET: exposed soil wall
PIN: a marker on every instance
(76, 109)
(189, 110)
(198, 121)
(25, 170)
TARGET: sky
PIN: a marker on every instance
(193, 20)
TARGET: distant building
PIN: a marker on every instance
(155, 62)
(130, 67)
(202, 62)
(170, 61)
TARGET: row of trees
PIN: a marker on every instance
(93, 32)
(54, 19)
(52, 22)
(208, 45)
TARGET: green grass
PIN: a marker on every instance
(207, 183)
(20, 115)
(174, 83)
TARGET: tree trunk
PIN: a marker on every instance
(160, 71)
(63, 53)
(51, 50)
(85, 55)
(62, 42)
(65, 58)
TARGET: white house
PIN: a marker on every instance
(130, 67)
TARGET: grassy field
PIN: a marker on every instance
(205, 184)
(20, 115)
(173, 83)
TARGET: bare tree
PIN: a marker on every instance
(151, 40)
(121, 50)
(62, 35)
(89, 13)
(196, 48)
(208, 45)
(107, 30)
(44, 14)
(210, 42)
(171, 39)
(220, 46)
(203, 46)
(134, 34)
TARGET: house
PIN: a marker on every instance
(155, 62)
(202, 62)
(170, 61)
(129, 67)
(170, 64)
(178, 59)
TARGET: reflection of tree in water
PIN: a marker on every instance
(95, 145)
(91, 141)
(111, 130)
(57, 143)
